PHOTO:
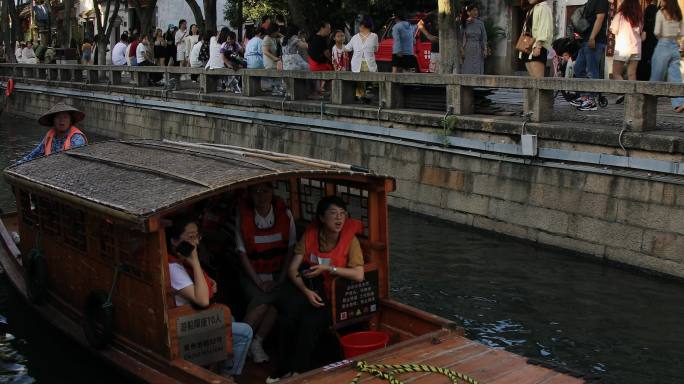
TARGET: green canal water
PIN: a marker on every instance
(617, 325)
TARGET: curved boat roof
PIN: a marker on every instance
(143, 177)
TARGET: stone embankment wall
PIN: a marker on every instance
(625, 219)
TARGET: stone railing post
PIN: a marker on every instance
(461, 98)
(641, 110)
(208, 83)
(53, 74)
(114, 76)
(539, 102)
(141, 79)
(93, 76)
(64, 74)
(391, 94)
(342, 92)
(296, 88)
(77, 75)
(251, 85)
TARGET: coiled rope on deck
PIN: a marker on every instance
(388, 372)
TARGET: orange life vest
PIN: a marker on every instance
(339, 256)
(47, 141)
(266, 248)
(188, 267)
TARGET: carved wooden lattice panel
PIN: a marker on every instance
(49, 215)
(281, 188)
(119, 245)
(310, 192)
(357, 203)
(73, 227)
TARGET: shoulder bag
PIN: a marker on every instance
(525, 41)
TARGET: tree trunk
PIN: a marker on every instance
(209, 15)
(449, 52)
(197, 12)
(66, 36)
(5, 31)
(145, 15)
(297, 11)
(101, 52)
(15, 32)
(241, 19)
(105, 27)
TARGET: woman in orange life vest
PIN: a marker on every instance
(265, 234)
(328, 248)
(62, 135)
(193, 286)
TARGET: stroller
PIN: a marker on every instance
(566, 49)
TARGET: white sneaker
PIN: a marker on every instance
(256, 350)
(271, 380)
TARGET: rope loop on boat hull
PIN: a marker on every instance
(388, 372)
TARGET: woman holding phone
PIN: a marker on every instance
(193, 286)
(328, 249)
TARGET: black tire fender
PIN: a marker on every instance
(98, 319)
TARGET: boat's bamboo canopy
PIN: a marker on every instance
(144, 177)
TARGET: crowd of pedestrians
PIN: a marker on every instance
(646, 46)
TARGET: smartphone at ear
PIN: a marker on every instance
(185, 249)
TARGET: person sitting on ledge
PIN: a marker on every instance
(63, 135)
(194, 287)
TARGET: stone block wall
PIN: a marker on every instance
(629, 220)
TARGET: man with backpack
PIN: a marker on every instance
(591, 23)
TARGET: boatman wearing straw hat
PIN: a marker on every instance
(62, 135)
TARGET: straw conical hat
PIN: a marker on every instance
(46, 119)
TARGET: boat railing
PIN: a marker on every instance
(538, 96)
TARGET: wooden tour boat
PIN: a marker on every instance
(92, 260)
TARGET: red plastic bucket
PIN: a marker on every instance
(358, 343)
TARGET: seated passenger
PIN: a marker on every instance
(265, 234)
(193, 286)
(62, 135)
(328, 248)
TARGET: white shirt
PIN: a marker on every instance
(194, 55)
(140, 53)
(215, 59)
(28, 53)
(363, 50)
(17, 54)
(262, 223)
(180, 35)
(189, 42)
(179, 279)
(119, 54)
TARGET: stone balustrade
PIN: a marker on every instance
(640, 97)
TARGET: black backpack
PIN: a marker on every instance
(580, 23)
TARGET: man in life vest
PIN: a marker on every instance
(193, 286)
(329, 248)
(63, 135)
(265, 235)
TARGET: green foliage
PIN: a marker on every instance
(338, 12)
(254, 10)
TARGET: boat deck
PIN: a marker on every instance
(445, 350)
